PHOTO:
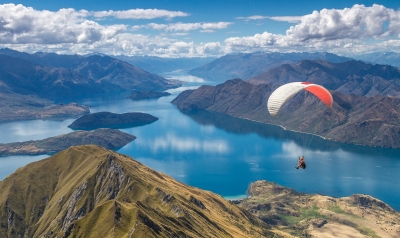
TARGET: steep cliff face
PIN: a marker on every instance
(88, 191)
(371, 121)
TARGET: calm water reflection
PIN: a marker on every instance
(224, 154)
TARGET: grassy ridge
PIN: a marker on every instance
(87, 191)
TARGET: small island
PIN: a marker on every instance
(141, 95)
(108, 138)
(112, 120)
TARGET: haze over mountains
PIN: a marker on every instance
(248, 65)
(386, 58)
(161, 65)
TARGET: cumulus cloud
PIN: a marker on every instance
(355, 29)
(328, 29)
(350, 23)
(140, 14)
(20, 24)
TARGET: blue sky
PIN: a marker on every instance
(199, 28)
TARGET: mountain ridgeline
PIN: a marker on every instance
(247, 65)
(387, 58)
(88, 191)
(54, 76)
(354, 119)
(350, 77)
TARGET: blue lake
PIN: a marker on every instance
(224, 154)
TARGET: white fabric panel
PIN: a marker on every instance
(283, 94)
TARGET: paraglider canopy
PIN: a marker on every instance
(282, 94)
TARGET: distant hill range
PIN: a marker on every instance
(158, 65)
(248, 65)
(88, 191)
(350, 77)
(370, 121)
(386, 58)
(53, 76)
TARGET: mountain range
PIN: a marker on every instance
(350, 77)
(247, 65)
(53, 76)
(386, 58)
(158, 65)
(30, 83)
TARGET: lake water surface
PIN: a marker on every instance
(224, 154)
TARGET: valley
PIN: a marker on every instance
(256, 151)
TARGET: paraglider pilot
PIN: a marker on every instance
(302, 163)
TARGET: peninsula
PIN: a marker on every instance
(141, 95)
(108, 138)
(17, 107)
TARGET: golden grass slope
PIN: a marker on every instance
(88, 191)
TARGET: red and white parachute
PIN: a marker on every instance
(285, 92)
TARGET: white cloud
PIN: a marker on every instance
(355, 29)
(140, 14)
(332, 30)
(20, 24)
(350, 23)
(208, 26)
(291, 19)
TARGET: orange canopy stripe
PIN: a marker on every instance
(322, 93)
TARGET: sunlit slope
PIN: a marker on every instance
(315, 215)
(88, 191)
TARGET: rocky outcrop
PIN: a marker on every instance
(112, 120)
(108, 138)
(370, 121)
(94, 192)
